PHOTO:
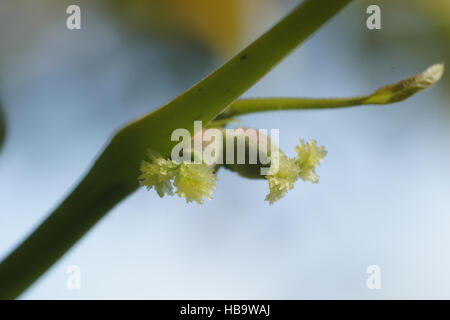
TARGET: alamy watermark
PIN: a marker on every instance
(374, 20)
(73, 281)
(373, 282)
(73, 21)
(209, 144)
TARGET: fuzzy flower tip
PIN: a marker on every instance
(158, 174)
(309, 157)
(192, 181)
(281, 181)
(195, 181)
(289, 170)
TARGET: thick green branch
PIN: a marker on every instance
(114, 174)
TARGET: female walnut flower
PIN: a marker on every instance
(195, 181)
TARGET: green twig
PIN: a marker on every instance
(2, 127)
(385, 95)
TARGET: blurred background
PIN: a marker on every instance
(384, 194)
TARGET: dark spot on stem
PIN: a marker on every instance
(243, 57)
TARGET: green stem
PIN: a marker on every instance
(246, 106)
(114, 174)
